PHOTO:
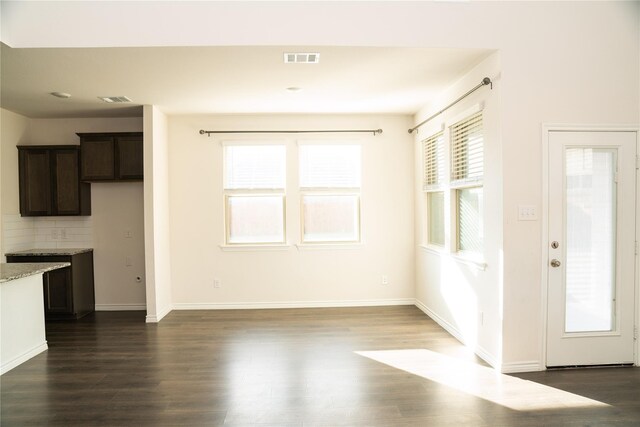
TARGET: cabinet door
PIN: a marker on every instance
(97, 158)
(58, 292)
(35, 182)
(130, 158)
(66, 195)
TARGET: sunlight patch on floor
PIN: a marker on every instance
(480, 381)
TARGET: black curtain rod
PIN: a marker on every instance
(373, 131)
(486, 81)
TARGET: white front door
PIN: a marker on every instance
(592, 187)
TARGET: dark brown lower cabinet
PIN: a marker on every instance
(69, 291)
(58, 292)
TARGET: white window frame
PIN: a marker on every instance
(463, 183)
(329, 191)
(437, 186)
(253, 192)
(450, 189)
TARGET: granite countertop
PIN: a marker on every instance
(45, 252)
(18, 270)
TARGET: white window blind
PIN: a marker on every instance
(255, 167)
(330, 166)
(433, 150)
(467, 150)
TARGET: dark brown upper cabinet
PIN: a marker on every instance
(114, 156)
(49, 181)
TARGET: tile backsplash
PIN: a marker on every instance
(20, 233)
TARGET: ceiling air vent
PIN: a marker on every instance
(115, 99)
(301, 58)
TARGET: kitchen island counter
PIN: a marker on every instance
(13, 271)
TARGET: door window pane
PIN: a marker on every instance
(435, 218)
(591, 239)
(331, 218)
(255, 219)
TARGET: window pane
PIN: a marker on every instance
(255, 219)
(435, 218)
(591, 239)
(332, 218)
(467, 149)
(433, 152)
(470, 221)
(330, 166)
(254, 166)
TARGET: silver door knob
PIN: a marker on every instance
(555, 263)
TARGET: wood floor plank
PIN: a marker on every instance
(293, 367)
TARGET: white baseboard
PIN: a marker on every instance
(120, 307)
(292, 304)
(525, 366)
(158, 316)
(478, 350)
(440, 321)
(6, 367)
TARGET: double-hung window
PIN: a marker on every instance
(330, 192)
(467, 170)
(254, 194)
(433, 181)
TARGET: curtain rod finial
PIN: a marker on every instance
(486, 81)
(202, 132)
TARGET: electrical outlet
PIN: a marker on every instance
(385, 279)
(216, 283)
(127, 261)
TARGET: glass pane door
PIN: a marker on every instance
(590, 176)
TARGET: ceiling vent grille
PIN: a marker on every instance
(115, 99)
(301, 58)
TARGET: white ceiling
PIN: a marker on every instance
(221, 80)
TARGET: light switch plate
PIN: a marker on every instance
(527, 213)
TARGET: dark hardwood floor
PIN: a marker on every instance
(379, 366)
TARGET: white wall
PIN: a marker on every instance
(17, 235)
(461, 295)
(291, 277)
(22, 330)
(116, 207)
(156, 214)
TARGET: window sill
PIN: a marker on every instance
(328, 246)
(478, 264)
(432, 249)
(255, 248)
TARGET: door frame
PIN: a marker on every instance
(559, 127)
